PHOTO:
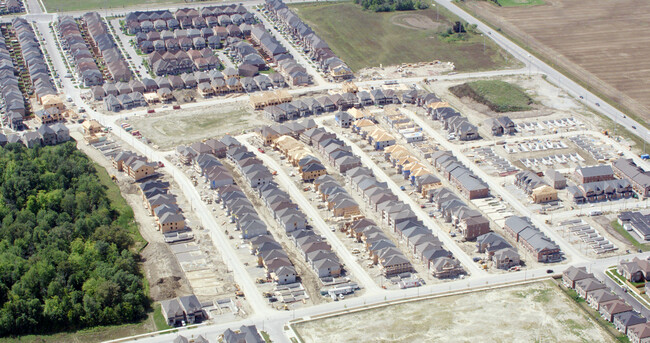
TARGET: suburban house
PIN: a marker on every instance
(612, 308)
(183, 310)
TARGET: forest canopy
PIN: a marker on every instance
(65, 262)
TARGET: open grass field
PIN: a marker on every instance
(88, 5)
(538, 312)
(593, 41)
(367, 39)
(499, 96)
(98, 334)
(514, 3)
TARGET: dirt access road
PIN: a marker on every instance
(596, 42)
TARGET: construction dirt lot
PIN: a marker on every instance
(191, 125)
(172, 270)
(537, 312)
(594, 42)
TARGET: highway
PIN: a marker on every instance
(535, 64)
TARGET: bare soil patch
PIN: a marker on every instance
(541, 313)
(415, 21)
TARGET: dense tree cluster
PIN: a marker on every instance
(391, 5)
(65, 261)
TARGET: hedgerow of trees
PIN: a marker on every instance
(65, 261)
(392, 5)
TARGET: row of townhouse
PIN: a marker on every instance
(162, 86)
(317, 105)
(470, 185)
(269, 252)
(259, 101)
(376, 136)
(136, 166)
(309, 166)
(404, 223)
(44, 135)
(162, 205)
(381, 249)
(339, 155)
(317, 49)
(14, 102)
(471, 223)
(403, 126)
(536, 187)
(187, 18)
(498, 250)
(314, 249)
(205, 158)
(169, 40)
(102, 40)
(173, 44)
(73, 42)
(601, 191)
(33, 58)
(124, 101)
(11, 6)
(634, 270)
(612, 308)
(639, 178)
(500, 126)
(181, 311)
(249, 59)
(380, 198)
(187, 154)
(412, 169)
(247, 334)
(532, 239)
(452, 121)
(181, 61)
(295, 73)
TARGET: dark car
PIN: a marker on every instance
(634, 127)
(549, 271)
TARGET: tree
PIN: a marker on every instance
(65, 261)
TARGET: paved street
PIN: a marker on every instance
(273, 321)
(321, 226)
(467, 262)
(495, 187)
(553, 75)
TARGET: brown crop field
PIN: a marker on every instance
(604, 43)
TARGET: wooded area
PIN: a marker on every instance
(392, 5)
(65, 262)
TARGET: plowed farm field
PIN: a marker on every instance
(604, 43)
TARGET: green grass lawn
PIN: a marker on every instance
(266, 337)
(96, 334)
(159, 319)
(619, 228)
(500, 96)
(368, 39)
(87, 5)
(514, 3)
